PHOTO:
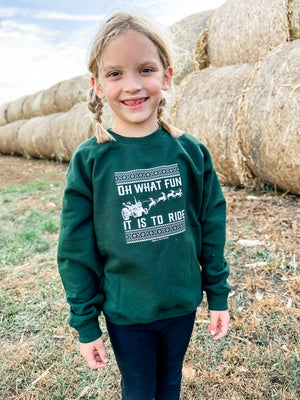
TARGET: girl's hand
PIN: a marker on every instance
(94, 353)
(219, 322)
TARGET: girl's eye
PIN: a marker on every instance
(113, 74)
(147, 70)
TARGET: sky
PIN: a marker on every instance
(44, 42)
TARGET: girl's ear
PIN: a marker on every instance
(167, 78)
(97, 88)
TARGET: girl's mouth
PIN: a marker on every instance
(134, 104)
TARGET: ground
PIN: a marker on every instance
(258, 359)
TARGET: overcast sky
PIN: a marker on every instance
(44, 42)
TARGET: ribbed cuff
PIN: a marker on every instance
(89, 332)
(217, 303)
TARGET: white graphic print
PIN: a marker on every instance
(158, 215)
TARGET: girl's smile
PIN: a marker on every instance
(131, 77)
(135, 103)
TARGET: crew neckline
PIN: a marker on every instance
(158, 133)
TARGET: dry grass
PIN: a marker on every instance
(259, 359)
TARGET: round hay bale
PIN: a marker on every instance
(189, 38)
(79, 126)
(207, 106)
(9, 143)
(25, 138)
(14, 110)
(3, 112)
(42, 136)
(294, 19)
(71, 92)
(57, 129)
(32, 105)
(48, 105)
(269, 119)
(244, 31)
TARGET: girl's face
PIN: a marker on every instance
(131, 78)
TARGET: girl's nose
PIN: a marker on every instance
(132, 83)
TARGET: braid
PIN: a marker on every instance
(95, 105)
(175, 132)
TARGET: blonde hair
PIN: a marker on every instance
(117, 24)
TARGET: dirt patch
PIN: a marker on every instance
(273, 220)
(20, 170)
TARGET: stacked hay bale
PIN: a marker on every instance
(269, 119)
(50, 123)
(9, 143)
(61, 97)
(207, 106)
(54, 136)
(244, 31)
(249, 96)
(239, 93)
(189, 41)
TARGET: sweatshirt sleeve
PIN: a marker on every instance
(215, 269)
(78, 257)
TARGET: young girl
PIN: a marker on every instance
(143, 220)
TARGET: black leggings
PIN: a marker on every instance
(150, 356)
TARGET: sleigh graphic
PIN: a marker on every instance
(137, 209)
(133, 210)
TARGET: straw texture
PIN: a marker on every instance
(207, 106)
(14, 110)
(3, 114)
(294, 19)
(71, 92)
(244, 31)
(189, 38)
(60, 97)
(269, 119)
(9, 143)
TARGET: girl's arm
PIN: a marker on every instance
(215, 269)
(78, 257)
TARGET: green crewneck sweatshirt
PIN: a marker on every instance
(142, 231)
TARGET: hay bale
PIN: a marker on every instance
(3, 112)
(189, 38)
(9, 143)
(57, 129)
(294, 19)
(269, 119)
(207, 106)
(79, 126)
(43, 135)
(25, 138)
(14, 110)
(61, 97)
(32, 105)
(48, 105)
(71, 92)
(244, 31)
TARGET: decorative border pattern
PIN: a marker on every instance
(146, 175)
(155, 233)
